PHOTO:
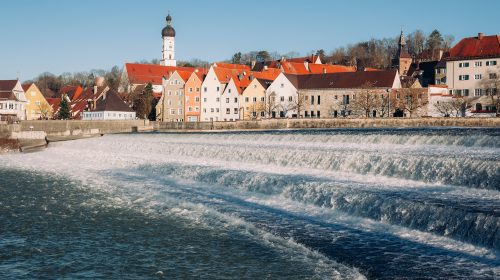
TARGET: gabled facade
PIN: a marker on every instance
(12, 101)
(253, 100)
(37, 107)
(281, 97)
(192, 93)
(170, 108)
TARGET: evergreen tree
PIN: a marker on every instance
(64, 109)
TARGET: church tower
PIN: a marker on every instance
(403, 59)
(168, 51)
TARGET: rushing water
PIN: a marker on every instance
(317, 204)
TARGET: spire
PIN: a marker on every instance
(402, 40)
(169, 19)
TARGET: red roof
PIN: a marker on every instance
(73, 92)
(299, 68)
(8, 85)
(152, 73)
(54, 103)
(233, 66)
(311, 59)
(267, 74)
(26, 86)
(476, 47)
(225, 74)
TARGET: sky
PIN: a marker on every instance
(73, 35)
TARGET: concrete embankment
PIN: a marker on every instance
(330, 123)
(32, 135)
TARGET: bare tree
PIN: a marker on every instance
(297, 103)
(491, 84)
(367, 100)
(410, 100)
(271, 105)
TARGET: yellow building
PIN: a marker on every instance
(253, 106)
(37, 106)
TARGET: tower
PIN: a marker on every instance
(403, 59)
(168, 51)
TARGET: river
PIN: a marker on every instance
(304, 204)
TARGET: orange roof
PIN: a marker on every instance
(298, 68)
(372, 69)
(152, 73)
(476, 47)
(267, 74)
(311, 59)
(225, 74)
(73, 92)
(233, 66)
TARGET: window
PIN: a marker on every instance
(212, 110)
(33, 94)
(493, 75)
(204, 89)
(180, 111)
(228, 111)
(197, 99)
(217, 99)
(312, 114)
(463, 64)
(236, 110)
(491, 63)
(478, 77)
(318, 114)
(196, 109)
(246, 99)
(463, 77)
(312, 100)
(190, 89)
(227, 100)
(204, 110)
(336, 97)
(262, 114)
(282, 85)
(466, 92)
(478, 92)
(229, 91)
(262, 99)
(254, 114)
(319, 101)
(306, 114)
(282, 99)
(197, 89)
(190, 109)
(169, 93)
(478, 64)
(236, 100)
(290, 98)
(205, 99)
(217, 110)
(169, 102)
(172, 112)
(218, 89)
(254, 100)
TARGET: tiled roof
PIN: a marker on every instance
(152, 73)
(233, 66)
(267, 74)
(112, 102)
(73, 92)
(26, 86)
(298, 68)
(476, 47)
(310, 59)
(224, 75)
(54, 103)
(6, 95)
(7, 85)
(377, 79)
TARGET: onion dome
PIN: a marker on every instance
(168, 31)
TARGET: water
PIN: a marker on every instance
(317, 204)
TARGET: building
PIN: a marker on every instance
(192, 93)
(253, 100)
(170, 108)
(168, 50)
(230, 97)
(443, 104)
(473, 70)
(37, 107)
(403, 60)
(109, 107)
(214, 85)
(12, 101)
(281, 97)
(335, 94)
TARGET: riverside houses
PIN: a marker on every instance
(473, 71)
(332, 95)
(253, 100)
(37, 106)
(214, 85)
(192, 93)
(110, 107)
(12, 101)
(170, 108)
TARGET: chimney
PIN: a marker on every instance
(306, 64)
(266, 67)
(324, 70)
(196, 70)
(480, 35)
(95, 89)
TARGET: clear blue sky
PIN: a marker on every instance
(79, 35)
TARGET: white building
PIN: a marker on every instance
(281, 95)
(230, 98)
(12, 101)
(168, 50)
(110, 107)
(472, 68)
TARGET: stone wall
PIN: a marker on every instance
(333, 123)
(73, 127)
